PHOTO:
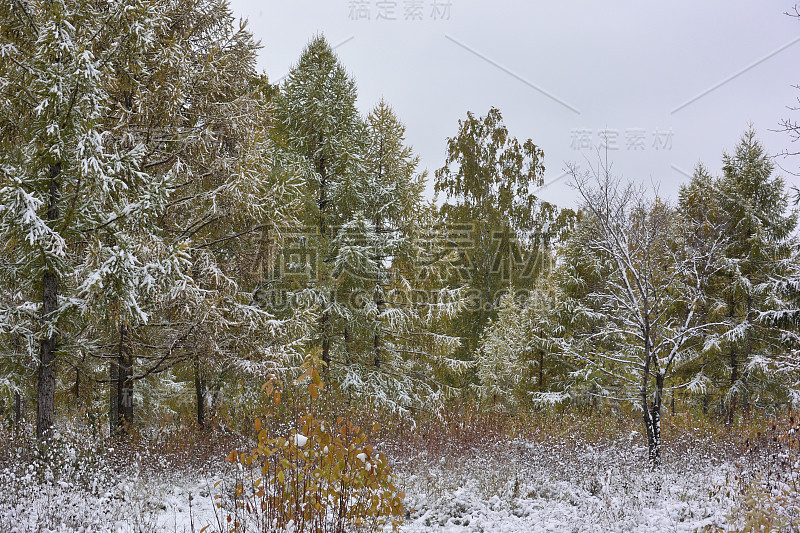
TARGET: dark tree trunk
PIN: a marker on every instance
(377, 347)
(17, 408)
(326, 345)
(734, 397)
(734, 361)
(46, 385)
(77, 387)
(347, 343)
(378, 299)
(200, 394)
(322, 204)
(378, 294)
(541, 371)
(124, 382)
(113, 412)
(46, 380)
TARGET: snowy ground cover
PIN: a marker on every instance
(136, 505)
(503, 486)
(82, 484)
(527, 487)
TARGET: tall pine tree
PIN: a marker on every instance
(318, 124)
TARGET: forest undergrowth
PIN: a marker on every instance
(461, 470)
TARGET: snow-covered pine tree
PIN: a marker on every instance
(67, 178)
(204, 113)
(501, 359)
(389, 261)
(744, 357)
(705, 222)
(521, 358)
(755, 206)
(321, 132)
(365, 219)
(137, 165)
(783, 366)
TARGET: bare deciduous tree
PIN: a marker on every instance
(644, 312)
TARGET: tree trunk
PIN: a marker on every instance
(654, 437)
(46, 380)
(652, 423)
(77, 388)
(751, 317)
(326, 344)
(17, 409)
(734, 378)
(378, 294)
(113, 412)
(322, 204)
(377, 347)
(734, 361)
(376, 341)
(347, 345)
(651, 413)
(124, 382)
(200, 394)
(46, 384)
(216, 403)
(541, 371)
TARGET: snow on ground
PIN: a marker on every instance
(535, 488)
(135, 505)
(517, 487)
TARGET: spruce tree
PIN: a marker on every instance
(705, 222)
(203, 112)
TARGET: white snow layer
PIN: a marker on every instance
(519, 487)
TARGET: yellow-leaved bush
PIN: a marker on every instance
(319, 479)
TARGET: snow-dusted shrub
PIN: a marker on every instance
(61, 486)
(318, 479)
(767, 508)
(76, 456)
(769, 500)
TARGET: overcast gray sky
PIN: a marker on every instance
(667, 84)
